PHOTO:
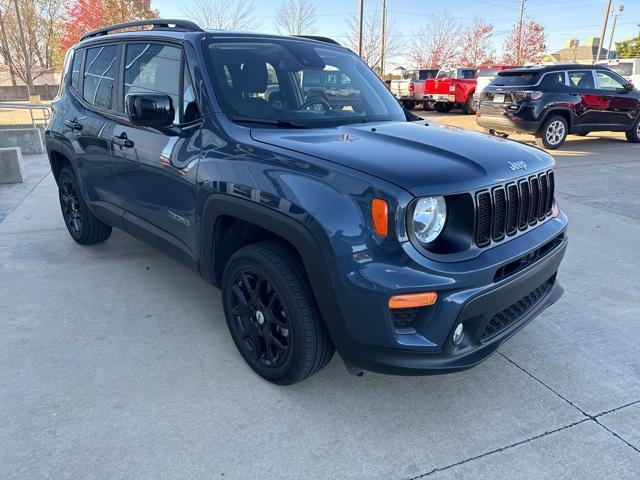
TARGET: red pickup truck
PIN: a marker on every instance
(452, 88)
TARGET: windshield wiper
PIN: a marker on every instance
(268, 121)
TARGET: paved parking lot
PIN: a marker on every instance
(116, 363)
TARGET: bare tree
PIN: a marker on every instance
(476, 38)
(223, 14)
(295, 17)
(42, 25)
(371, 38)
(527, 46)
(437, 44)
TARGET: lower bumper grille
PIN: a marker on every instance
(507, 317)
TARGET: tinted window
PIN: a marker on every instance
(190, 110)
(153, 68)
(553, 81)
(505, 79)
(608, 81)
(100, 71)
(581, 79)
(467, 74)
(489, 72)
(75, 70)
(446, 73)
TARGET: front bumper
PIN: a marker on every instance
(467, 293)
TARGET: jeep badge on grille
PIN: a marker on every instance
(517, 165)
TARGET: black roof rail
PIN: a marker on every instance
(156, 24)
(319, 39)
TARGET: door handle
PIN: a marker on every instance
(73, 124)
(123, 141)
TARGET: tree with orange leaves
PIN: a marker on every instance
(86, 15)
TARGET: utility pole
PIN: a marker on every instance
(384, 36)
(613, 27)
(603, 30)
(27, 62)
(520, 22)
(360, 28)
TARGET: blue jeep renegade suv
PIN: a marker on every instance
(350, 224)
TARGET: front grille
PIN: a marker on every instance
(519, 205)
(502, 320)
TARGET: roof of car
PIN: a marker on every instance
(550, 68)
(177, 29)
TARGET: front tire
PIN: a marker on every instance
(272, 315)
(553, 132)
(82, 225)
(633, 135)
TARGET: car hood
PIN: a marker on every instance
(423, 158)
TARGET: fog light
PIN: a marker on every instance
(458, 334)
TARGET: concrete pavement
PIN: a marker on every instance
(116, 363)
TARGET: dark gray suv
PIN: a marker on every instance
(349, 224)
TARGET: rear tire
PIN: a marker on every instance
(272, 315)
(553, 132)
(633, 135)
(409, 104)
(82, 225)
(468, 106)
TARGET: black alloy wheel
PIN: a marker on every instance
(71, 208)
(260, 317)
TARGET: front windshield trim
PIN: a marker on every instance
(361, 99)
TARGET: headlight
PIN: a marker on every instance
(429, 217)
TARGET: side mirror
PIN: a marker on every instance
(150, 110)
(628, 87)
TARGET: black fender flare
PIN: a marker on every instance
(298, 235)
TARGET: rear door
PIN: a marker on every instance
(590, 105)
(92, 127)
(621, 106)
(156, 170)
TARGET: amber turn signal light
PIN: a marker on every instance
(413, 300)
(380, 216)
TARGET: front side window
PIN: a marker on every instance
(581, 79)
(154, 69)
(100, 71)
(308, 84)
(607, 81)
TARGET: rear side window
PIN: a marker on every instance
(75, 70)
(101, 67)
(153, 68)
(553, 81)
(581, 79)
(504, 79)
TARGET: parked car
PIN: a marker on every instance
(452, 88)
(551, 102)
(409, 247)
(627, 68)
(410, 91)
(332, 86)
(484, 76)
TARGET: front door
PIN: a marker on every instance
(156, 170)
(621, 107)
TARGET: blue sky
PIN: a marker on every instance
(562, 18)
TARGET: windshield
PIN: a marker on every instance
(506, 79)
(292, 83)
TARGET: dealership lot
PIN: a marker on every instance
(115, 362)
